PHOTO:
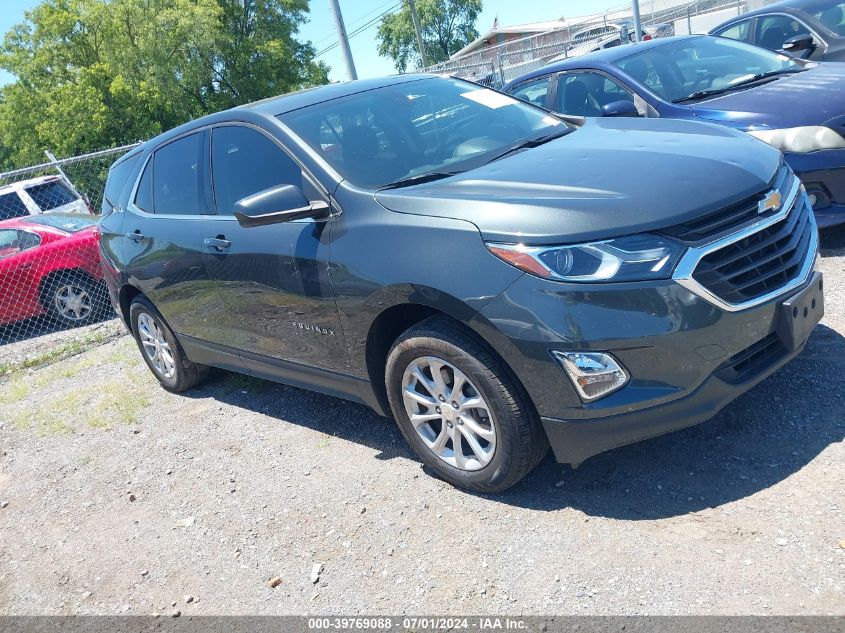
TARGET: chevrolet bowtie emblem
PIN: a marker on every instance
(771, 202)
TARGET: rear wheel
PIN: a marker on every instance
(460, 409)
(73, 298)
(160, 349)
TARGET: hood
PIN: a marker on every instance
(813, 97)
(611, 177)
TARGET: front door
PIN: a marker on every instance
(274, 279)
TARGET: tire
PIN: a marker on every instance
(72, 298)
(509, 440)
(154, 338)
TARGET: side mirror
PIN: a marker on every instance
(799, 43)
(275, 205)
(620, 108)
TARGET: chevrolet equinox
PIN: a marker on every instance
(495, 279)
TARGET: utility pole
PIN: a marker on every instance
(638, 25)
(416, 21)
(343, 40)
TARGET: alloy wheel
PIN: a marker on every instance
(73, 302)
(156, 346)
(449, 413)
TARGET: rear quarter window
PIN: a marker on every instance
(11, 206)
(117, 183)
(51, 195)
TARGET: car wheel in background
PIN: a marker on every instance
(460, 409)
(160, 349)
(73, 298)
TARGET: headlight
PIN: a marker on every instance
(631, 258)
(801, 139)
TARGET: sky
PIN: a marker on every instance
(357, 13)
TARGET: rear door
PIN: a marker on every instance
(274, 279)
(19, 266)
(162, 238)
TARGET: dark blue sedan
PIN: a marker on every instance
(793, 105)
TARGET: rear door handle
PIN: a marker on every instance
(219, 244)
(135, 236)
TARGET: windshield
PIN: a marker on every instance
(677, 70)
(407, 130)
(831, 13)
(68, 222)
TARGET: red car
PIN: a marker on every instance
(50, 264)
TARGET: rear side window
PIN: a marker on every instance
(116, 183)
(51, 195)
(244, 162)
(11, 206)
(171, 182)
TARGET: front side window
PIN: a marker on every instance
(170, 184)
(699, 67)
(738, 31)
(416, 128)
(244, 162)
(585, 93)
(11, 206)
(533, 91)
(773, 30)
(51, 195)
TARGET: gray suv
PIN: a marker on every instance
(495, 279)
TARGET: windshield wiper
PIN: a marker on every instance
(418, 179)
(701, 94)
(531, 142)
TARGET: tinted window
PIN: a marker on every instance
(70, 222)
(774, 30)
(144, 195)
(584, 94)
(13, 241)
(11, 206)
(738, 31)
(116, 183)
(533, 92)
(831, 13)
(51, 195)
(176, 177)
(244, 162)
(408, 129)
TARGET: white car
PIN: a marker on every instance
(46, 194)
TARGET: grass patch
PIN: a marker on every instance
(15, 391)
(57, 353)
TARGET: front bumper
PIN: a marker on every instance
(823, 175)
(686, 357)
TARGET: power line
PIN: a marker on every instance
(370, 24)
(355, 21)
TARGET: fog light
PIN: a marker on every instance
(594, 374)
(813, 199)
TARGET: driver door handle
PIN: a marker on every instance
(219, 244)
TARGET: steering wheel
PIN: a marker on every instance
(699, 83)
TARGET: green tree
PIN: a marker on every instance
(96, 73)
(447, 26)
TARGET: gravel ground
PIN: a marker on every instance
(118, 497)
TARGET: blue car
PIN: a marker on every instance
(794, 105)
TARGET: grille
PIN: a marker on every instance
(761, 263)
(728, 219)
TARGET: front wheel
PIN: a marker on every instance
(460, 409)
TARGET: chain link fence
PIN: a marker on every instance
(494, 66)
(50, 275)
